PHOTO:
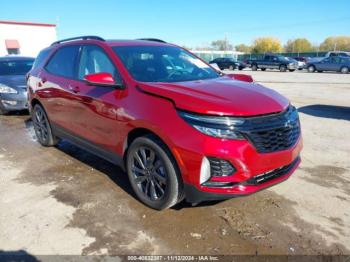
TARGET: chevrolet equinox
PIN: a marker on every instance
(179, 128)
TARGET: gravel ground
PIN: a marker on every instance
(63, 200)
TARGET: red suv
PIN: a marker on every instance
(181, 129)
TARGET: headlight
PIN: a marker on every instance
(7, 90)
(216, 126)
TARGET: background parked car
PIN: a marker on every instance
(228, 63)
(300, 65)
(301, 61)
(272, 61)
(332, 63)
(13, 89)
(338, 53)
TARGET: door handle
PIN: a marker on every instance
(74, 89)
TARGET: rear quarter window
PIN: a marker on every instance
(64, 62)
(41, 58)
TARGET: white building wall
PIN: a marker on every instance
(31, 38)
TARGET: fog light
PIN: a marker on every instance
(7, 102)
(220, 167)
(205, 171)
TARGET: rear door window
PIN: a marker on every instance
(94, 60)
(64, 61)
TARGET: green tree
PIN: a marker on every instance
(298, 45)
(266, 44)
(336, 43)
(221, 45)
(243, 48)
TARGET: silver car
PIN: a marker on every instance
(13, 89)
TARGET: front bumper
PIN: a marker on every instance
(251, 158)
(13, 102)
(292, 66)
(248, 187)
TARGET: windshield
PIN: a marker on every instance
(15, 67)
(163, 64)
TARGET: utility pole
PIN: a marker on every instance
(225, 42)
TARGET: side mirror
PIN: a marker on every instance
(101, 79)
(241, 77)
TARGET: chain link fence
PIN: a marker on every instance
(260, 56)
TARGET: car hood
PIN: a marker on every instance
(14, 81)
(220, 96)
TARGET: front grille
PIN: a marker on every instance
(263, 178)
(274, 132)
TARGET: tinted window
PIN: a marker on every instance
(41, 58)
(63, 62)
(163, 64)
(15, 67)
(336, 60)
(94, 60)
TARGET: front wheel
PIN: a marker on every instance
(42, 127)
(344, 70)
(3, 112)
(291, 70)
(263, 69)
(153, 173)
(311, 69)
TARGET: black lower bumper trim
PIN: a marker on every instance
(194, 195)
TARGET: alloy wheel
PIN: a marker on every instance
(40, 125)
(149, 173)
(344, 70)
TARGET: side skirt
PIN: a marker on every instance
(88, 146)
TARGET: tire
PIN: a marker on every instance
(3, 112)
(240, 68)
(283, 68)
(311, 69)
(42, 127)
(263, 69)
(157, 183)
(291, 70)
(344, 70)
(254, 67)
(320, 71)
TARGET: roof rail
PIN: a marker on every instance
(152, 39)
(86, 37)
